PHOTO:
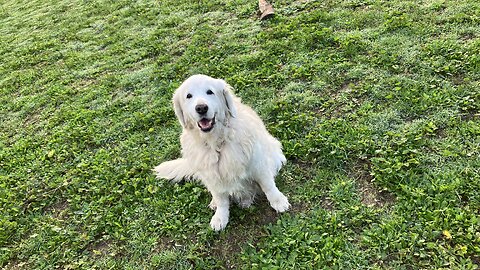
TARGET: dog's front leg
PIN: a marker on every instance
(220, 218)
(277, 200)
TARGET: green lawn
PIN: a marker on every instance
(377, 104)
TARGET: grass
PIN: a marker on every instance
(377, 104)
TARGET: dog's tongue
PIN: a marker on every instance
(205, 123)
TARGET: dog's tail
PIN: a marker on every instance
(175, 170)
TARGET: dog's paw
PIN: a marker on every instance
(218, 223)
(164, 171)
(280, 203)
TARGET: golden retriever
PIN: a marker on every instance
(226, 146)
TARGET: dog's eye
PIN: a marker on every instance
(189, 95)
(209, 92)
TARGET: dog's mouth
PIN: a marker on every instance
(205, 124)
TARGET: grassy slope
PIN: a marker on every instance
(376, 103)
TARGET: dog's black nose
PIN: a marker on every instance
(201, 108)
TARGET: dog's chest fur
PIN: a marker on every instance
(221, 160)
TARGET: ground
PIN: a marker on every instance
(376, 103)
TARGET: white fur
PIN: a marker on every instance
(237, 158)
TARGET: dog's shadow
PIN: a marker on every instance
(246, 227)
(258, 214)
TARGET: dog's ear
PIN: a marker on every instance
(228, 95)
(178, 108)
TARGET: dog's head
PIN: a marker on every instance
(202, 101)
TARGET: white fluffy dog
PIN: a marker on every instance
(226, 146)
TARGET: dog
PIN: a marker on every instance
(226, 146)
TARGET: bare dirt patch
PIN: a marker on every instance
(101, 248)
(328, 204)
(370, 194)
(58, 209)
(165, 243)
